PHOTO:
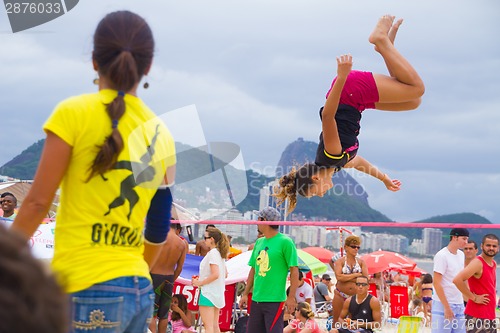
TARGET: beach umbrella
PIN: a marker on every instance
(416, 271)
(307, 262)
(380, 261)
(238, 269)
(322, 254)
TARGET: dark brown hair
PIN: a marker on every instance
(297, 181)
(30, 298)
(182, 304)
(123, 52)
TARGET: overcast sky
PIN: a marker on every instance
(257, 72)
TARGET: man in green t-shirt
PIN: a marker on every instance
(272, 257)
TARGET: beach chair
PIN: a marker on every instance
(410, 324)
(372, 290)
(399, 301)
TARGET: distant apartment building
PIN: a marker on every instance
(310, 236)
(417, 247)
(433, 240)
(387, 242)
(336, 239)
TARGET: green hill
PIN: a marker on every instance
(199, 186)
(476, 234)
(346, 201)
(24, 165)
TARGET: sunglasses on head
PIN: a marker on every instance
(207, 237)
(361, 284)
(354, 247)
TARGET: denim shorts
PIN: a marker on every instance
(122, 305)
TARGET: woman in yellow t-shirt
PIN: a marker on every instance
(113, 160)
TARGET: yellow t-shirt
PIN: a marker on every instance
(99, 223)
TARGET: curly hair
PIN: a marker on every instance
(297, 181)
(352, 240)
(30, 298)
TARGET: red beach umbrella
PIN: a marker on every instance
(380, 261)
(320, 253)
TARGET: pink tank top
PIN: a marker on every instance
(486, 284)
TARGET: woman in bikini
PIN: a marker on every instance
(346, 270)
(351, 93)
(427, 290)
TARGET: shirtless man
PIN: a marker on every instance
(178, 230)
(201, 248)
(164, 272)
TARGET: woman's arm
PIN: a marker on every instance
(364, 267)
(341, 277)
(331, 137)
(360, 164)
(152, 250)
(54, 162)
(214, 275)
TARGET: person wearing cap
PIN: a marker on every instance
(447, 302)
(322, 295)
(477, 282)
(272, 257)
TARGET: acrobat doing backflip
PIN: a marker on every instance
(353, 91)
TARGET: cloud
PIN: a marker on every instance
(430, 193)
(258, 71)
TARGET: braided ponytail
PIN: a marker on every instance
(123, 51)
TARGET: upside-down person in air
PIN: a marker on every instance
(352, 92)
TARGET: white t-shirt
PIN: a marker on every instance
(303, 292)
(449, 265)
(214, 291)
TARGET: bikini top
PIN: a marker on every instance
(426, 289)
(348, 270)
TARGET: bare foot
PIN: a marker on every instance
(380, 34)
(394, 30)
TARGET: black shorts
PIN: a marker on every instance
(163, 286)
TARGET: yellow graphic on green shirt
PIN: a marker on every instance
(263, 262)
